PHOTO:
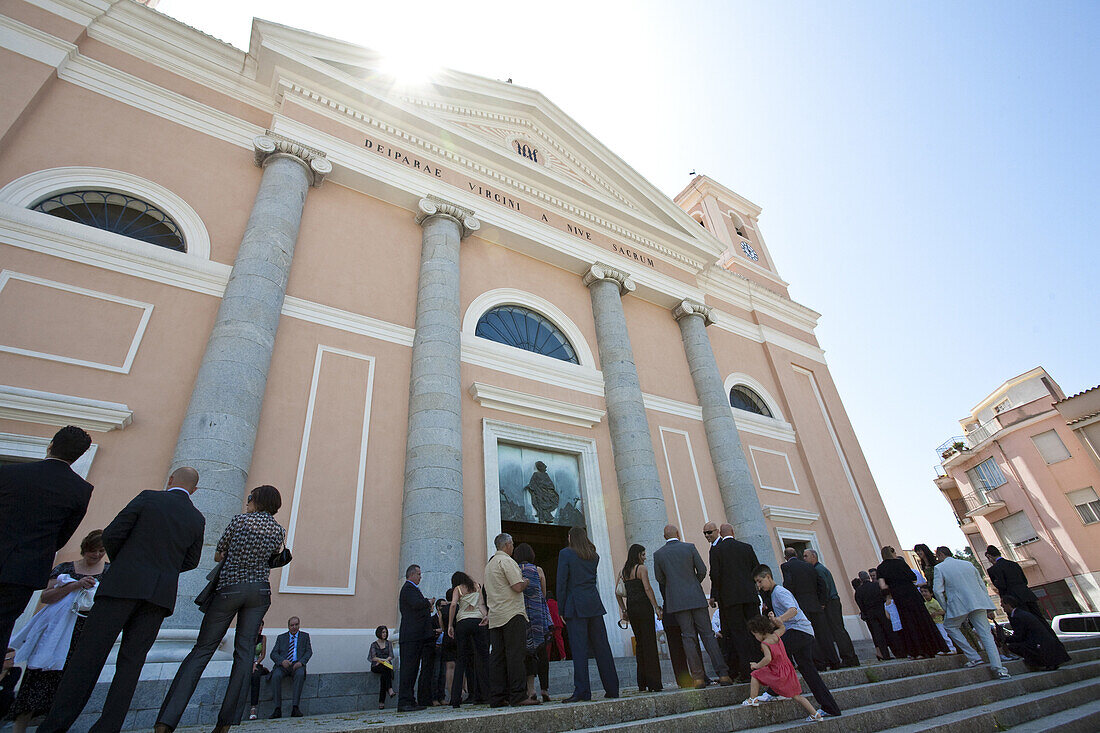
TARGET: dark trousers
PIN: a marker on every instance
(138, 622)
(254, 688)
(741, 646)
(824, 653)
(13, 601)
(414, 653)
(385, 681)
(588, 636)
(642, 621)
(507, 648)
(469, 662)
(800, 645)
(425, 684)
(247, 602)
(299, 678)
(834, 615)
(695, 624)
(879, 626)
(675, 640)
(537, 664)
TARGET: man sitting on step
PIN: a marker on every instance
(291, 653)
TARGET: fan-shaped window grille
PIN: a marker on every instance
(118, 213)
(525, 329)
(745, 399)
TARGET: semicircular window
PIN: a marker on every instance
(745, 399)
(118, 213)
(525, 329)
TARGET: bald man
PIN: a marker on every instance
(157, 536)
(732, 587)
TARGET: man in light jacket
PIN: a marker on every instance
(960, 590)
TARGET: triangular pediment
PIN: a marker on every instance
(517, 131)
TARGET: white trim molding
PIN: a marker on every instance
(511, 296)
(544, 408)
(595, 512)
(51, 408)
(799, 535)
(840, 456)
(147, 311)
(284, 579)
(753, 450)
(28, 190)
(694, 469)
(740, 378)
(789, 515)
(529, 365)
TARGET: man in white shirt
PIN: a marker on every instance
(960, 590)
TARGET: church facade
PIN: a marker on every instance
(426, 313)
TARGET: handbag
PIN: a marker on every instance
(620, 589)
(281, 558)
(206, 595)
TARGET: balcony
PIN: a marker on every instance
(952, 446)
(982, 502)
(962, 516)
(1022, 554)
(980, 433)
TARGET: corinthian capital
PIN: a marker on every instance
(693, 308)
(431, 206)
(599, 271)
(269, 145)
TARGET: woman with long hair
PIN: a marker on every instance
(467, 614)
(918, 634)
(537, 660)
(927, 561)
(639, 608)
(246, 548)
(579, 600)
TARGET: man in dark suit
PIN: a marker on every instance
(732, 587)
(157, 536)
(41, 504)
(291, 653)
(872, 610)
(808, 589)
(1009, 579)
(1032, 638)
(834, 615)
(416, 641)
(680, 572)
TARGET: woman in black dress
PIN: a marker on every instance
(919, 634)
(639, 608)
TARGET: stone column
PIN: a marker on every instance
(219, 428)
(431, 516)
(734, 480)
(643, 504)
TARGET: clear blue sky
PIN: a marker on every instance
(929, 172)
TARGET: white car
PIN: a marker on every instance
(1076, 625)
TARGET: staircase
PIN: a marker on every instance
(902, 696)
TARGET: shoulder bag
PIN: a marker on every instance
(206, 595)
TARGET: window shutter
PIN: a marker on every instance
(1050, 446)
(1016, 529)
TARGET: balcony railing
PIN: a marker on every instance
(982, 432)
(981, 502)
(960, 508)
(951, 446)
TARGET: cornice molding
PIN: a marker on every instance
(28, 41)
(51, 408)
(599, 271)
(789, 515)
(431, 207)
(543, 408)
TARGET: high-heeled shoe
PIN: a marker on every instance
(162, 728)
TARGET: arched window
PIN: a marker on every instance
(743, 398)
(118, 213)
(525, 329)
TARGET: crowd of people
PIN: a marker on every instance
(488, 642)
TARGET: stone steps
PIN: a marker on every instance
(1081, 719)
(1032, 709)
(873, 697)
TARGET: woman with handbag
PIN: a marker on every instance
(381, 663)
(639, 606)
(250, 546)
(44, 644)
(259, 671)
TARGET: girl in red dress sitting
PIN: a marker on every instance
(775, 669)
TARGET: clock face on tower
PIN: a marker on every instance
(749, 251)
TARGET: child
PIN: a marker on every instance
(775, 669)
(935, 610)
